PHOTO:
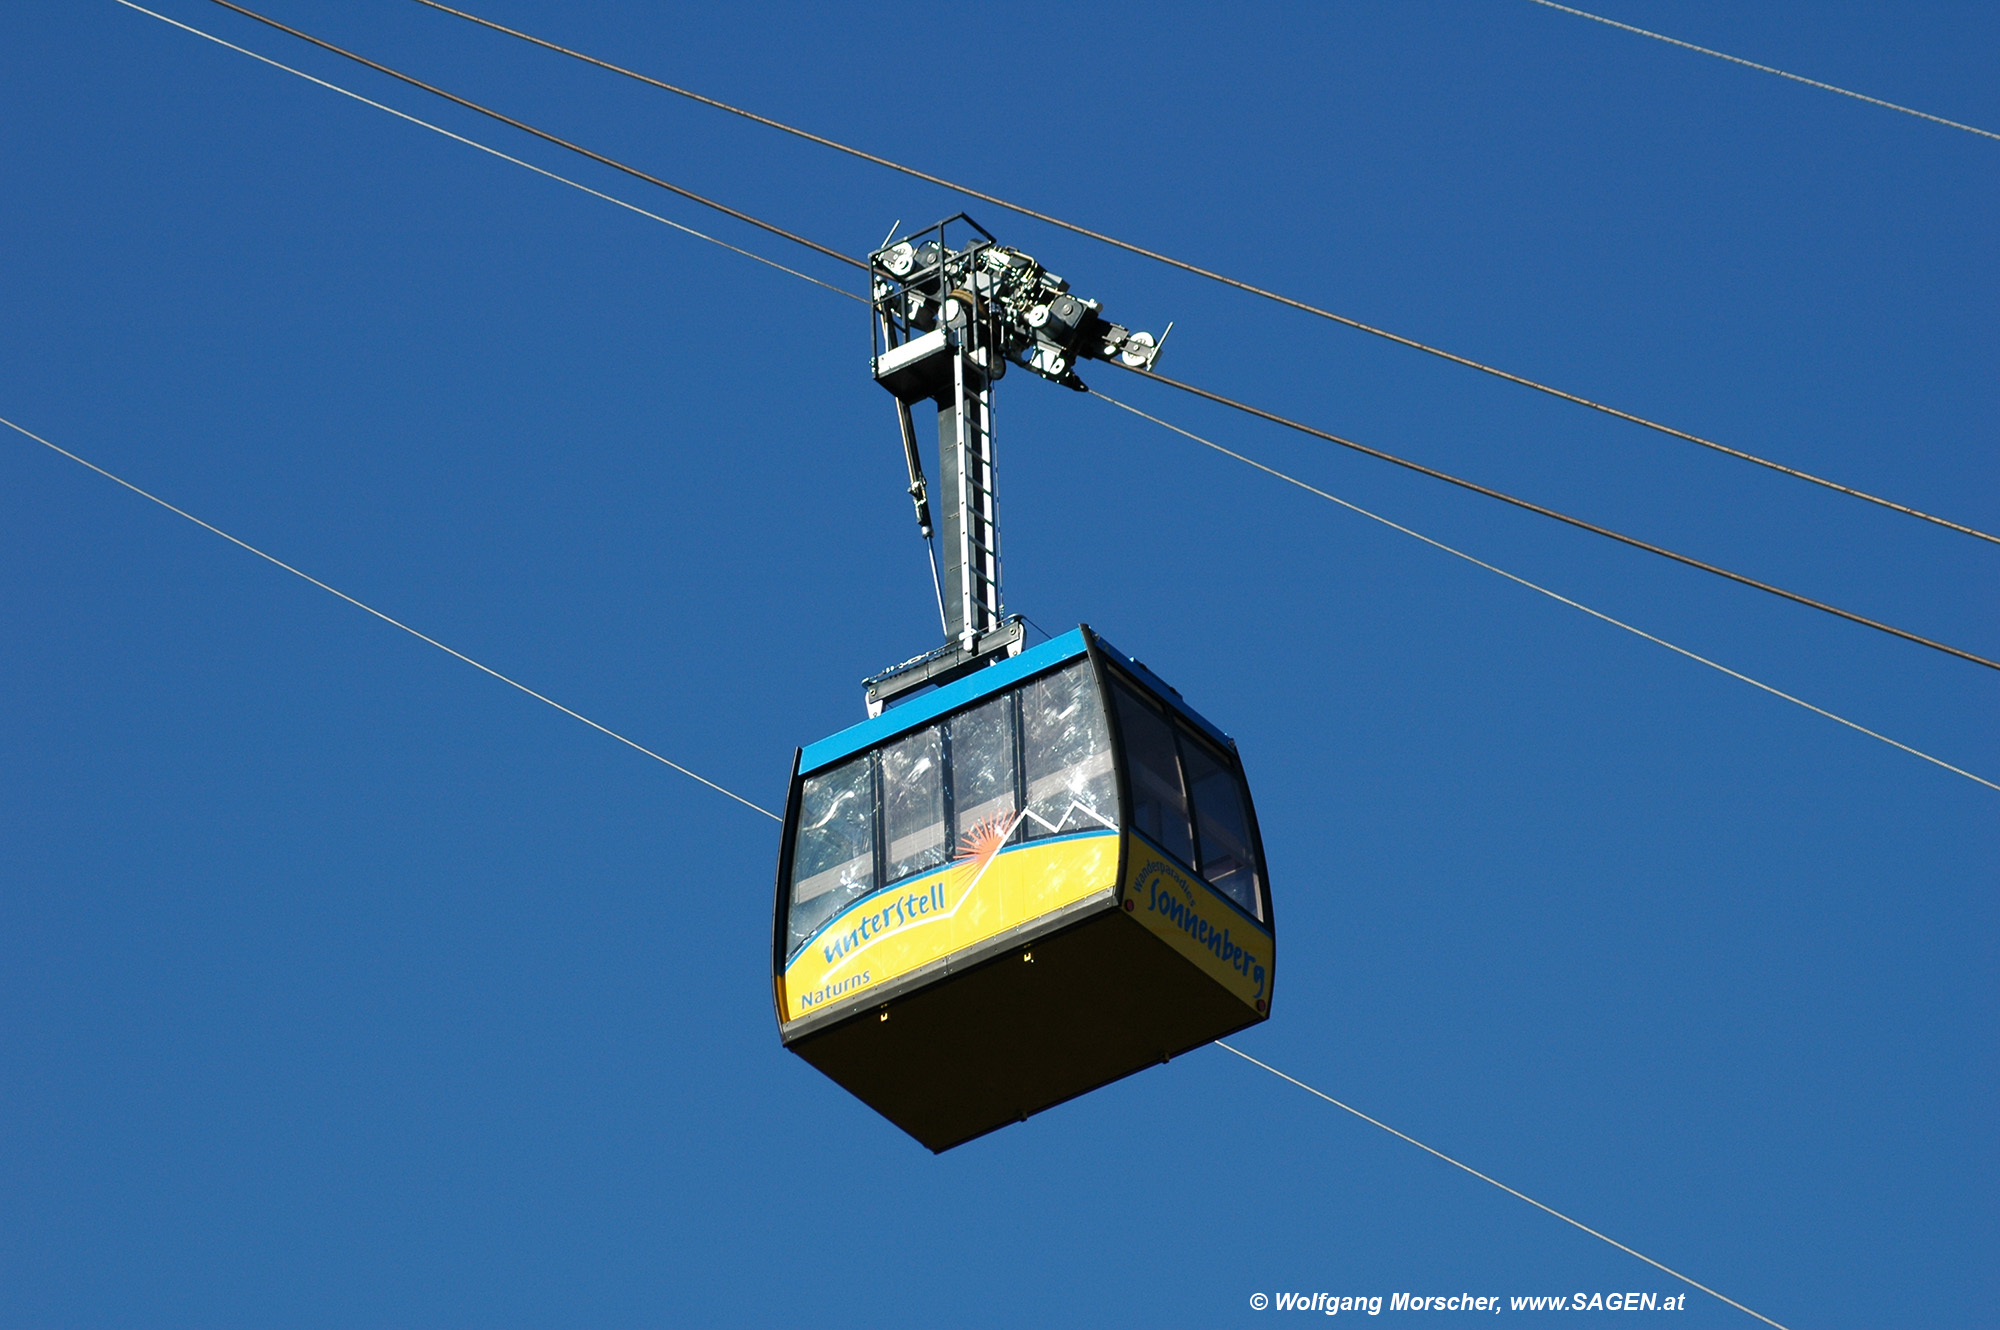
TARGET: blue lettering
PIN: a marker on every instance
(1218, 942)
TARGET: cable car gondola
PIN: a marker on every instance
(1042, 872)
(1017, 888)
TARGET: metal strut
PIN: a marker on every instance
(920, 497)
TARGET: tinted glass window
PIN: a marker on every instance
(1222, 824)
(913, 804)
(982, 768)
(1159, 803)
(834, 859)
(1066, 754)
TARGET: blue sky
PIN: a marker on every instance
(344, 985)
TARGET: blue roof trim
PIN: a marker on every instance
(1168, 695)
(929, 706)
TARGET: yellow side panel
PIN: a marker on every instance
(927, 918)
(1199, 924)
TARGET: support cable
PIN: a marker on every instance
(393, 623)
(1552, 595)
(1211, 275)
(544, 135)
(1752, 64)
(493, 152)
(1522, 503)
(1134, 410)
(1577, 522)
(1520, 1195)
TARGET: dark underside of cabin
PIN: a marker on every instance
(1040, 1023)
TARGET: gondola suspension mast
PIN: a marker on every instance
(1044, 872)
(946, 324)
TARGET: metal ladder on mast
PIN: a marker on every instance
(972, 524)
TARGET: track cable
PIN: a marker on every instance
(1210, 274)
(1539, 589)
(1578, 522)
(1177, 429)
(547, 137)
(1273, 417)
(491, 151)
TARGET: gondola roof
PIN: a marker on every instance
(994, 678)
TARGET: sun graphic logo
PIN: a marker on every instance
(977, 846)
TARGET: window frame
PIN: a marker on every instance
(1150, 701)
(1010, 696)
(1102, 696)
(1230, 765)
(882, 801)
(1179, 718)
(1106, 670)
(787, 859)
(1010, 726)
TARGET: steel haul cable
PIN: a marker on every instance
(1376, 1122)
(1752, 64)
(392, 622)
(544, 135)
(1210, 274)
(396, 623)
(1177, 429)
(721, 789)
(1240, 457)
(1539, 588)
(1577, 522)
(490, 151)
(1607, 532)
